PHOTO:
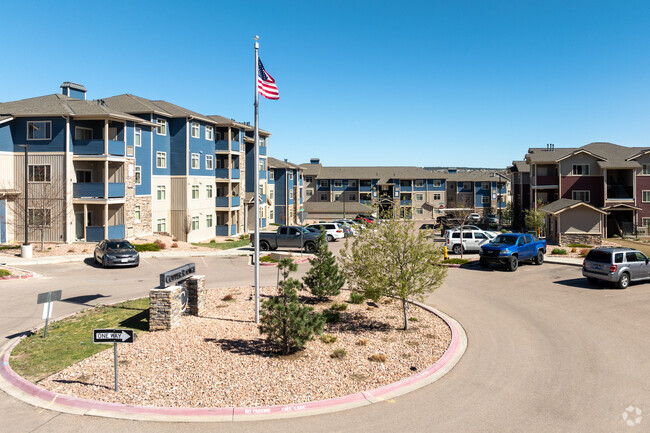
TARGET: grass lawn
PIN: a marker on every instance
(71, 340)
(644, 248)
(223, 245)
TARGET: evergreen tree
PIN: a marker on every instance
(324, 278)
(287, 323)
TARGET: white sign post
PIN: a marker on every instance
(48, 299)
(114, 336)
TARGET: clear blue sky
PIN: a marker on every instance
(430, 83)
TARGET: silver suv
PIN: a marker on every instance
(616, 265)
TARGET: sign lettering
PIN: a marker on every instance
(169, 278)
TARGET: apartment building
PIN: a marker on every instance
(124, 166)
(519, 173)
(485, 191)
(603, 189)
(286, 192)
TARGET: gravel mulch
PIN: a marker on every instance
(221, 360)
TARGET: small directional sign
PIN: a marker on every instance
(113, 336)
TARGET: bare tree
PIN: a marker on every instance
(462, 213)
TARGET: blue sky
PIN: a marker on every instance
(431, 83)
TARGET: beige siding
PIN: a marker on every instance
(179, 217)
(566, 166)
(580, 220)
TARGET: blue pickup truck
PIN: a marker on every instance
(510, 248)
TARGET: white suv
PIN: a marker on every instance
(472, 240)
(333, 231)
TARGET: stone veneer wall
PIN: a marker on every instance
(580, 238)
(133, 227)
(164, 308)
(196, 295)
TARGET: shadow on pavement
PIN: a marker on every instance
(84, 299)
(582, 283)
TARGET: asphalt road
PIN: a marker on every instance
(547, 352)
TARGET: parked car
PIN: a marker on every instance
(472, 240)
(474, 217)
(616, 265)
(116, 252)
(333, 231)
(348, 228)
(287, 237)
(511, 248)
(365, 218)
(491, 219)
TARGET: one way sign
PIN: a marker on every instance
(113, 336)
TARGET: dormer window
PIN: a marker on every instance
(581, 169)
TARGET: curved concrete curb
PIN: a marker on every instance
(16, 386)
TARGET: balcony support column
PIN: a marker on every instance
(85, 219)
(105, 136)
(106, 221)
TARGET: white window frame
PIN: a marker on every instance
(575, 193)
(583, 167)
(161, 225)
(643, 196)
(419, 211)
(645, 221)
(352, 183)
(196, 223)
(195, 130)
(485, 199)
(209, 162)
(161, 159)
(196, 161)
(137, 213)
(82, 128)
(338, 183)
(137, 136)
(419, 183)
(161, 129)
(271, 194)
(437, 196)
(290, 174)
(309, 179)
(138, 175)
(271, 215)
(47, 173)
(323, 183)
(309, 192)
(437, 183)
(209, 132)
(419, 196)
(290, 194)
(32, 122)
(195, 192)
(208, 220)
(161, 192)
(271, 174)
(324, 196)
(208, 191)
(645, 170)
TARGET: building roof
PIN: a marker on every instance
(381, 173)
(62, 105)
(614, 154)
(5, 118)
(564, 204)
(519, 167)
(276, 163)
(73, 86)
(336, 207)
(137, 105)
(474, 176)
(224, 121)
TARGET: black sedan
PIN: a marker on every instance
(116, 252)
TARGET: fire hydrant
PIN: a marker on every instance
(444, 252)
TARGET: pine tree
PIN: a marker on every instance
(324, 278)
(287, 323)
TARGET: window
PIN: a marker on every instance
(138, 137)
(646, 197)
(84, 176)
(261, 167)
(40, 173)
(208, 221)
(220, 220)
(338, 183)
(645, 222)
(419, 183)
(352, 197)
(309, 179)
(580, 195)
(129, 150)
(337, 197)
(486, 185)
(138, 175)
(467, 185)
(161, 225)
(419, 197)
(290, 175)
(437, 196)
(160, 192)
(195, 192)
(271, 174)
(136, 214)
(39, 217)
(352, 183)
(209, 135)
(324, 197)
(208, 191)
(485, 199)
(323, 183)
(646, 169)
(196, 130)
(209, 162)
(81, 133)
(290, 195)
(309, 193)
(271, 214)
(161, 159)
(365, 183)
(405, 183)
(437, 183)
(419, 211)
(195, 223)
(196, 161)
(271, 194)
(41, 130)
(580, 169)
(162, 127)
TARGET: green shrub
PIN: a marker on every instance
(338, 354)
(267, 259)
(328, 338)
(242, 237)
(504, 231)
(413, 319)
(4, 273)
(339, 307)
(578, 246)
(324, 278)
(331, 316)
(147, 247)
(559, 251)
(213, 241)
(357, 298)
(456, 261)
(9, 247)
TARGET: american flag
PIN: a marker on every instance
(265, 83)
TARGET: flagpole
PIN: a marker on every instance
(256, 192)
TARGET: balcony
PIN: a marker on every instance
(620, 192)
(221, 230)
(96, 190)
(221, 202)
(221, 173)
(406, 202)
(234, 173)
(546, 181)
(96, 233)
(233, 229)
(235, 201)
(234, 146)
(221, 145)
(96, 147)
(262, 150)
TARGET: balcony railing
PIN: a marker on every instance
(96, 147)
(262, 150)
(233, 229)
(96, 190)
(221, 145)
(234, 173)
(235, 201)
(221, 230)
(406, 202)
(221, 202)
(96, 233)
(546, 180)
(221, 173)
(234, 146)
(620, 192)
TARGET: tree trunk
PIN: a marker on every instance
(42, 239)
(404, 308)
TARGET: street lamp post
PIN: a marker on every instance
(26, 248)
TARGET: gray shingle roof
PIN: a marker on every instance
(381, 173)
(520, 167)
(224, 121)
(559, 206)
(276, 163)
(614, 154)
(336, 206)
(137, 105)
(73, 86)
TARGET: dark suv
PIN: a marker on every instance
(616, 265)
